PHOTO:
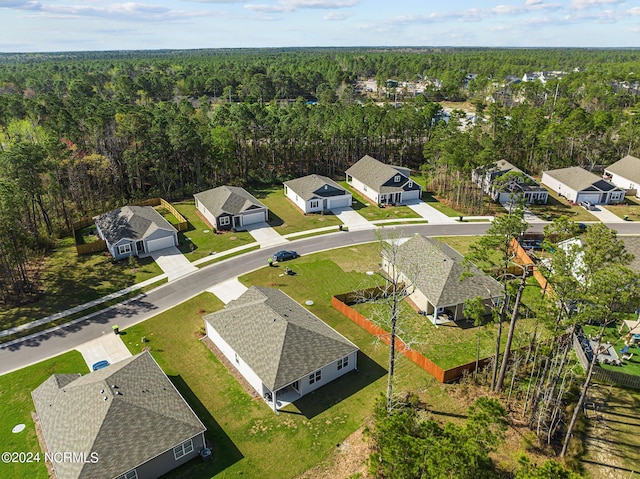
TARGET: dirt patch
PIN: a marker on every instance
(347, 460)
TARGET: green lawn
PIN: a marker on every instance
(557, 207)
(433, 201)
(286, 218)
(70, 280)
(248, 438)
(199, 240)
(372, 212)
(630, 208)
(617, 339)
(16, 407)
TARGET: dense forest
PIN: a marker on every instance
(83, 132)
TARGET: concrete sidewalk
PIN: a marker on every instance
(606, 216)
(429, 213)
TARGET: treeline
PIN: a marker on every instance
(83, 132)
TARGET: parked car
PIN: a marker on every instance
(100, 365)
(284, 255)
(588, 205)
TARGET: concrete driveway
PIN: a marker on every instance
(108, 346)
(265, 235)
(228, 290)
(604, 215)
(429, 213)
(352, 219)
(173, 262)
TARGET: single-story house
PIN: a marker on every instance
(316, 193)
(579, 185)
(382, 183)
(227, 207)
(135, 231)
(520, 184)
(438, 280)
(625, 174)
(280, 348)
(126, 421)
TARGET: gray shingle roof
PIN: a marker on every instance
(579, 179)
(439, 271)
(311, 186)
(231, 200)
(280, 340)
(374, 174)
(628, 167)
(141, 418)
(131, 222)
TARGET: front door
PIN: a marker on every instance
(236, 221)
(140, 246)
(398, 198)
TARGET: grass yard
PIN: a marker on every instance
(16, 407)
(612, 336)
(286, 218)
(70, 280)
(199, 240)
(612, 440)
(372, 212)
(630, 208)
(248, 438)
(433, 201)
(557, 207)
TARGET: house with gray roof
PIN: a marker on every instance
(383, 183)
(579, 185)
(625, 174)
(438, 279)
(283, 350)
(316, 193)
(227, 207)
(135, 231)
(505, 189)
(126, 421)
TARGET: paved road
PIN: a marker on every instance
(51, 343)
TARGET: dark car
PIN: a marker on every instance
(284, 255)
(100, 365)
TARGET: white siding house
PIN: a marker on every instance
(578, 185)
(316, 193)
(625, 174)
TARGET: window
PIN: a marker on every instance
(396, 179)
(411, 184)
(183, 449)
(315, 377)
(124, 249)
(132, 474)
(314, 204)
(224, 220)
(343, 362)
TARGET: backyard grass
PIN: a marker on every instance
(16, 406)
(372, 212)
(612, 439)
(557, 207)
(286, 218)
(630, 208)
(617, 339)
(70, 280)
(199, 240)
(248, 439)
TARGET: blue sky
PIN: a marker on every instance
(64, 25)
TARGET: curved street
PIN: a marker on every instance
(40, 346)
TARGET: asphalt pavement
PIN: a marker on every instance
(40, 346)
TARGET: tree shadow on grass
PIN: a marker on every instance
(340, 389)
(225, 452)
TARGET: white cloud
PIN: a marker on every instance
(20, 4)
(584, 4)
(336, 16)
(283, 6)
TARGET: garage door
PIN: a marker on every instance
(253, 218)
(339, 202)
(161, 243)
(411, 195)
(591, 197)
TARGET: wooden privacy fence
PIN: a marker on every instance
(616, 378)
(524, 259)
(341, 303)
(100, 245)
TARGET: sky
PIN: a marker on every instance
(89, 25)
